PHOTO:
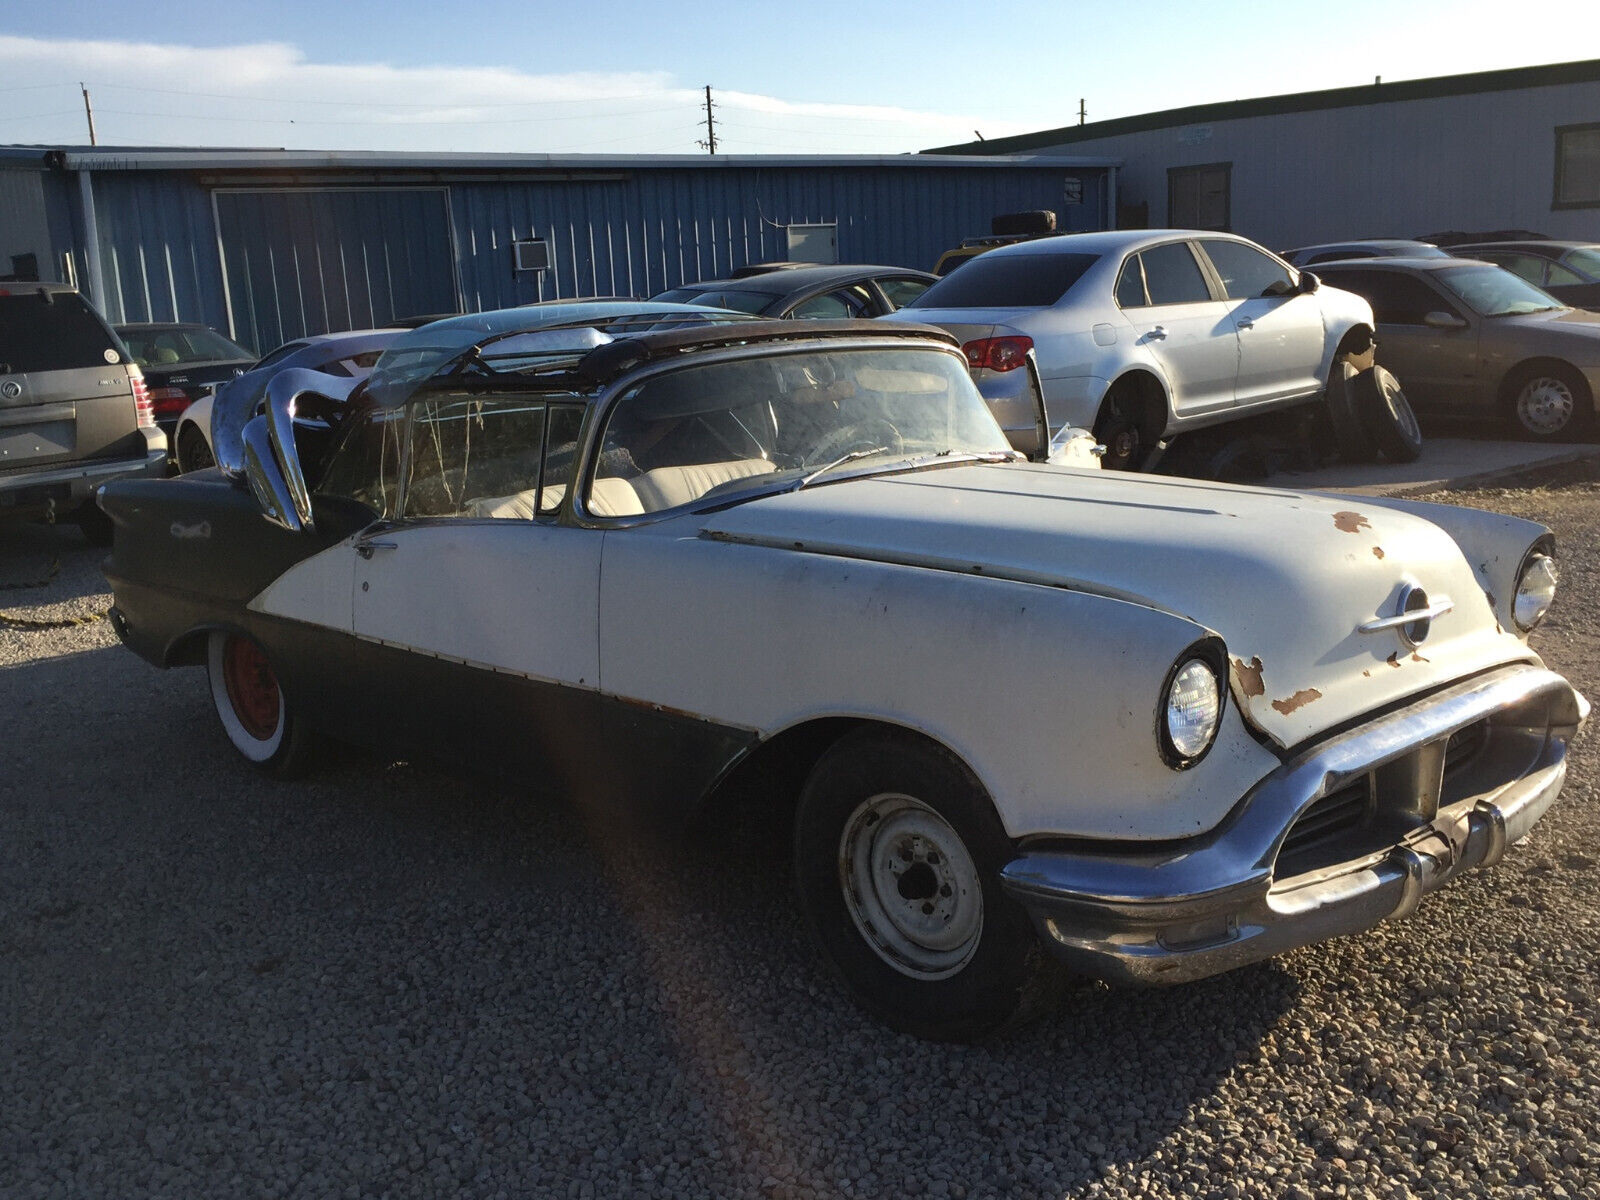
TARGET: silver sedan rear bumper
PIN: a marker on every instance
(1349, 833)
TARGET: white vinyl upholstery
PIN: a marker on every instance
(667, 487)
(664, 487)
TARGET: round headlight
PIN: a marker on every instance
(1536, 589)
(1191, 712)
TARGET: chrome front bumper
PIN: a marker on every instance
(1191, 909)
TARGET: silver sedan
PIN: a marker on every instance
(1141, 335)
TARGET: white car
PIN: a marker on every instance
(347, 357)
(1143, 335)
(1156, 727)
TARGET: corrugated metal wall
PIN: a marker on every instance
(311, 260)
(638, 233)
(1471, 162)
(158, 249)
(660, 228)
(24, 228)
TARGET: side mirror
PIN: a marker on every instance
(1309, 283)
(1443, 320)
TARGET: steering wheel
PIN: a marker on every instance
(870, 433)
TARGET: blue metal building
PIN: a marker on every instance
(270, 244)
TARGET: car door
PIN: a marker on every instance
(489, 598)
(1437, 367)
(1164, 295)
(1281, 335)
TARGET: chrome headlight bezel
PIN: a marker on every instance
(1209, 655)
(1538, 568)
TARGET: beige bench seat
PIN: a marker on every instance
(662, 488)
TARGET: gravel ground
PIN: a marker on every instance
(391, 982)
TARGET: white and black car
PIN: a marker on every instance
(1023, 706)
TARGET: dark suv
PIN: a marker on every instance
(74, 411)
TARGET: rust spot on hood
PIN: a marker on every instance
(1299, 700)
(1377, 552)
(1394, 659)
(1249, 675)
(1415, 657)
(1350, 522)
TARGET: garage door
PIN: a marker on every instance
(299, 262)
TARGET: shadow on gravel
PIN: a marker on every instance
(425, 984)
(47, 564)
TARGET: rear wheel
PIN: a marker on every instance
(1549, 402)
(1386, 415)
(252, 708)
(193, 451)
(897, 858)
(1120, 428)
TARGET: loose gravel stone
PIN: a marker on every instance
(388, 981)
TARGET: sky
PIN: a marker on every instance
(628, 76)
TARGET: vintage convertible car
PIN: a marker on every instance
(1157, 727)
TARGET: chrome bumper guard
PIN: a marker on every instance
(1183, 911)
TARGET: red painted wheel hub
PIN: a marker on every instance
(252, 687)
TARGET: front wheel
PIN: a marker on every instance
(252, 708)
(1549, 403)
(897, 858)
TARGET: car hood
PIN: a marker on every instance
(1575, 330)
(1285, 578)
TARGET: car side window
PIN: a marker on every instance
(1525, 265)
(1560, 276)
(1173, 276)
(1130, 284)
(365, 464)
(1396, 299)
(489, 456)
(901, 292)
(1245, 271)
(852, 301)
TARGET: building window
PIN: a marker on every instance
(1198, 197)
(1577, 166)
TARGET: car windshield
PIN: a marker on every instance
(1585, 260)
(1496, 292)
(776, 421)
(1027, 280)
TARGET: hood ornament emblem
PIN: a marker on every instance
(1415, 617)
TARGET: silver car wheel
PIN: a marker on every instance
(910, 886)
(1545, 405)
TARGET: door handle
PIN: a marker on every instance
(1246, 323)
(1158, 334)
(366, 549)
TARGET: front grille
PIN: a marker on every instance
(1465, 745)
(1336, 813)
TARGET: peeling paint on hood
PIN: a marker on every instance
(1277, 574)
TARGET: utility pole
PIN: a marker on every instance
(88, 112)
(1082, 112)
(711, 127)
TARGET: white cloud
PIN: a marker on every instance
(271, 94)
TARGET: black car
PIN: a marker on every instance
(1569, 271)
(181, 362)
(830, 293)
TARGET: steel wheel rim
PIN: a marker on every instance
(252, 688)
(911, 888)
(1545, 405)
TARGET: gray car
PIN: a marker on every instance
(74, 410)
(1308, 256)
(1469, 338)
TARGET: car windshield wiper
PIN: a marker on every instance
(806, 479)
